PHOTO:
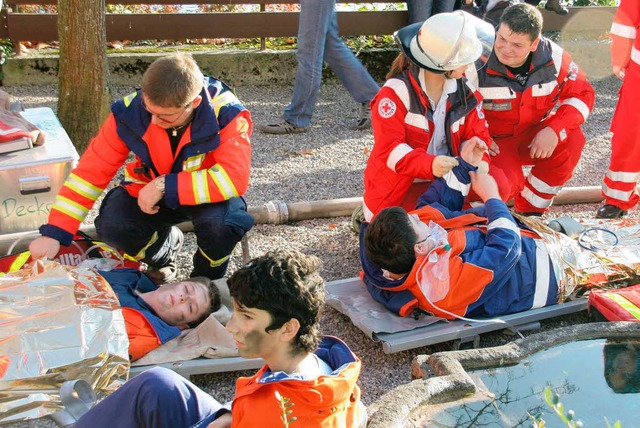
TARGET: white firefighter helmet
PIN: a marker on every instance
(446, 41)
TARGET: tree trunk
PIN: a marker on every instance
(84, 98)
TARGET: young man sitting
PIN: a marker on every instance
(277, 303)
(154, 315)
(455, 263)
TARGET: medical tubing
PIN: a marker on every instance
(510, 327)
(591, 247)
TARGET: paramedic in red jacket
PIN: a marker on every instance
(189, 135)
(526, 78)
(425, 110)
(619, 186)
(277, 300)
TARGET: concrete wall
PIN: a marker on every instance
(233, 67)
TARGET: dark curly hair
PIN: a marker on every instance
(287, 284)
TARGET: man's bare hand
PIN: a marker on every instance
(44, 247)
(442, 165)
(149, 197)
(494, 149)
(543, 144)
(472, 150)
(223, 421)
(484, 185)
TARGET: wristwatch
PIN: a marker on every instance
(159, 183)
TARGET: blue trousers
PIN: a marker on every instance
(421, 10)
(319, 41)
(218, 228)
(156, 398)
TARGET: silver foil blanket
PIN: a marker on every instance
(57, 323)
(611, 260)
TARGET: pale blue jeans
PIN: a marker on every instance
(421, 10)
(318, 41)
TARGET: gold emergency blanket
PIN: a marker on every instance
(57, 323)
(613, 260)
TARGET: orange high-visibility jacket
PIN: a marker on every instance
(211, 163)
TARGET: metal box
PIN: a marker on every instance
(30, 179)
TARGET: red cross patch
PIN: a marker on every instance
(386, 108)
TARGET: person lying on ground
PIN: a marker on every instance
(479, 262)
(277, 299)
(155, 315)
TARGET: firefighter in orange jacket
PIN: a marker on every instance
(527, 76)
(190, 137)
(619, 186)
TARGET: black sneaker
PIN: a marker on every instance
(168, 272)
(281, 126)
(364, 122)
(610, 211)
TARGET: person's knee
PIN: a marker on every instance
(223, 222)
(158, 382)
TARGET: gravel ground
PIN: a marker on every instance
(325, 163)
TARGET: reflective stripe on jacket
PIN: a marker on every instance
(402, 122)
(211, 163)
(554, 79)
(625, 43)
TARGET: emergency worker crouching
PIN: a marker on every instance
(535, 99)
(190, 137)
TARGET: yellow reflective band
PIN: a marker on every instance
(222, 100)
(193, 163)
(222, 180)
(70, 208)
(131, 179)
(141, 254)
(19, 262)
(200, 187)
(82, 187)
(625, 304)
(214, 263)
(127, 100)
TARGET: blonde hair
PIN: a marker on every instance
(173, 80)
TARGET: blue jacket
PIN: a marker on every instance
(495, 265)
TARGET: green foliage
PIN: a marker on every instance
(6, 49)
(285, 405)
(568, 417)
(593, 3)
